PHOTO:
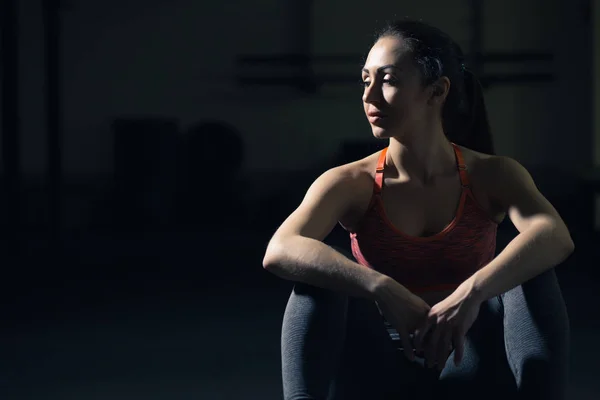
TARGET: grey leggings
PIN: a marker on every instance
(337, 347)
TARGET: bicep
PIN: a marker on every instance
(530, 206)
(325, 203)
(518, 196)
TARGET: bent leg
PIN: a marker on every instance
(536, 332)
(484, 371)
(525, 332)
(312, 337)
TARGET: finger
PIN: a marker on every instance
(431, 346)
(443, 349)
(458, 340)
(406, 344)
(417, 339)
(421, 333)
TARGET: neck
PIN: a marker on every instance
(423, 157)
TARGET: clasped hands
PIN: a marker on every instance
(445, 328)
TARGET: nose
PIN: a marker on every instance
(372, 93)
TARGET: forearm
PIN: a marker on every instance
(310, 261)
(529, 254)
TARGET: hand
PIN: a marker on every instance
(403, 310)
(445, 327)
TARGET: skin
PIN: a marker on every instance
(421, 164)
(420, 196)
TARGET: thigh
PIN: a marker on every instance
(372, 367)
(536, 329)
(484, 368)
(312, 338)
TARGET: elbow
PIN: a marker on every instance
(561, 244)
(268, 261)
(564, 245)
(272, 256)
(568, 245)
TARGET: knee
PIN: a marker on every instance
(313, 305)
(313, 302)
(317, 296)
(312, 314)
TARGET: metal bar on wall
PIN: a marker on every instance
(51, 13)
(9, 51)
(595, 23)
(596, 79)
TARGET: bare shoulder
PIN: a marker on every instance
(490, 176)
(344, 185)
(362, 174)
(357, 175)
(498, 180)
(331, 198)
(492, 170)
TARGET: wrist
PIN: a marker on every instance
(378, 287)
(386, 288)
(473, 289)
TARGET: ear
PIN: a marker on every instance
(439, 90)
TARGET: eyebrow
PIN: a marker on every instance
(382, 68)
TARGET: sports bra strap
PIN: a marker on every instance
(462, 167)
(379, 172)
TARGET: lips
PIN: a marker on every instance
(375, 117)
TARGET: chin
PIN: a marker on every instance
(380, 133)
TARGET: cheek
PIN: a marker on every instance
(392, 96)
(401, 105)
(399, 98)
(407, 112)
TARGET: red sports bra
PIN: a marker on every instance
(433, 263)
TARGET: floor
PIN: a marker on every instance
(187, 316)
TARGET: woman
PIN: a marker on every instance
(422, 216)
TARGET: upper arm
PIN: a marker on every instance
(514, 191)
(327, 200)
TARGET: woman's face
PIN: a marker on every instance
(394, 99)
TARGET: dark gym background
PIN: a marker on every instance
(150, 149)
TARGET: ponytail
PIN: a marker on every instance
(477, 134)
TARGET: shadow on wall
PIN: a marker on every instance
(211, 158)
(187, 180)
(166, 177)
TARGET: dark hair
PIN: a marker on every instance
(435, 54)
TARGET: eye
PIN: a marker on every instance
(364, 83)
(390, 80)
